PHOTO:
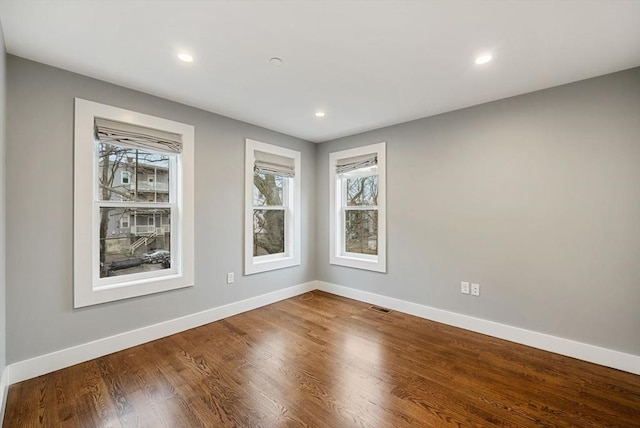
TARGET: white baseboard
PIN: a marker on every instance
(4, 388)
(27, 369)
(582, 351)
(48, 363)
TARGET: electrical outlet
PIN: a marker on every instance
(475, 289)
(230, 278)
(464, 287)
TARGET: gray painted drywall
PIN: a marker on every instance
(40, 318)
(3, 97)
(536, 197)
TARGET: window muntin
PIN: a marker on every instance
(358, 208)
(126, 218)
(272, 222)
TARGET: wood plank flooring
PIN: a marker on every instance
(319, 360)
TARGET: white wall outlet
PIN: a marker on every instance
(475, 289)
(230, 278)
(464, 287)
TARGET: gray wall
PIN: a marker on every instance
(40, 318)
(3, 97)
(535, 197)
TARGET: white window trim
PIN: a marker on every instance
(89, 289)
(124, 174)
(337, 254)
(291, 256)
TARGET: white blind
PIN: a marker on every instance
(268, 163)
(137, 137)
(356, 162)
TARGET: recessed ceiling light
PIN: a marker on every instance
(319, 114)
(185, 57)
(483, 59)
(276, 61)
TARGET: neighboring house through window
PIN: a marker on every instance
(117, 223)
(358, 208)
(272, 200)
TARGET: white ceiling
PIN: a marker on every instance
(367, 64)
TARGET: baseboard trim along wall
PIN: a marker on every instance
(48, 363)
(27, 369)
(4, 388)
(582, 351)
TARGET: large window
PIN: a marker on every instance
(133, 204)
(358, 208)
(272, 201)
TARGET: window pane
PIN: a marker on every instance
(134, 240)
(126, 174)
(361, 231)
(362, 191)
(268, 232)
(267, 189)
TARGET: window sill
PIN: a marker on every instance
(373, 264)
(257, 265)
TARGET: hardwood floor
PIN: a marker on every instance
(319, 360)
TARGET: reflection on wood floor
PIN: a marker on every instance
(319, 360)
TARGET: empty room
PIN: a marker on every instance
(319, 213)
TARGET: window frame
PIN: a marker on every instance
(292, 217)
(338, 207)
(126, 174)
(89, 288)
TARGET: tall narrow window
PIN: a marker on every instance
(272, 219)
(119, 251)
(358, 208)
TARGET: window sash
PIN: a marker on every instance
(344, 208)
(172, 175)
(286, 184)
(102, 283)
(345, 239)
(342, 179)
(285, 236)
